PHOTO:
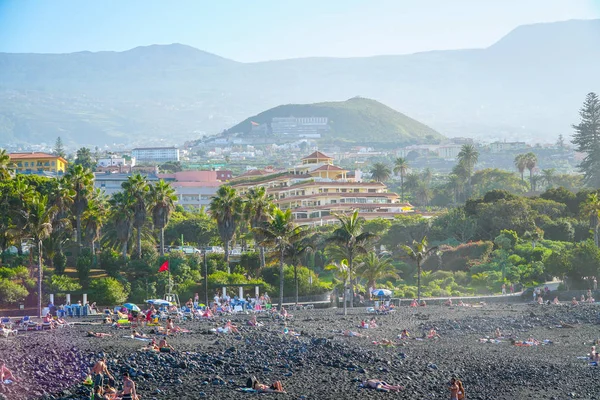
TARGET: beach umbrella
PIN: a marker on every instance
(131, 307)
(158, 302)
(381, 292)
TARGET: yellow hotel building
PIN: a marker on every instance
(316, 190)
(35, 163)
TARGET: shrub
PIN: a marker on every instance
(61, 284)
(11, 292)
(109, 291)
(84, 265)
(111, 262)
(60, 263)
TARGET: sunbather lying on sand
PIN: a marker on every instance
(433, 334)
(286, 331)
(97, 334)
(276, 387)
(384, 342)
(380, 386)
(139, 335)
(352, 334)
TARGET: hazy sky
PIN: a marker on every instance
(254, 30)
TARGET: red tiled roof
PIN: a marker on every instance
(317, 154)
(328, 167)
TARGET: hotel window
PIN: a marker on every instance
(53, 163)
(26, 163)
(19, 164)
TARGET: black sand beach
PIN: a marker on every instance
(321, 364)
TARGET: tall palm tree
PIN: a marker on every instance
(380, 172)
(419, 252)
(530, 163)
(349, 241)
(122, 216)
(162, 204)
(294, 253)
(280, 233)
(549, 176)
(39, 225)
(225, 208)
(257, 208)
(591, 208)
(401, 168)
(344, 274)
(138, 189)
(456, 184)
(94, 218)
(373, 268)
(521, 164)
(23, 194)
(468, 157)
(81, 181)
(7, 167)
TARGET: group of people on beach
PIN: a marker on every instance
(103, 383)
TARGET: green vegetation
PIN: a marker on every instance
(353, 121)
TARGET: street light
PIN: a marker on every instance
(205, 277)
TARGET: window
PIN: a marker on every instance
(356, 190)
(372, 190)
(26, 163)
(53, 163)
(19, 164)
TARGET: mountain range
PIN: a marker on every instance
(527, 86)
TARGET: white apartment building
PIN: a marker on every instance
(155, 154)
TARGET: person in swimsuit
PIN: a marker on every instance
(461, 390)
(128, 392)
(453, 389)
(413, 303)
(6, 374)
(100, 372)
(276, 387)
(381, 385)
(164, 346)
(97, 334)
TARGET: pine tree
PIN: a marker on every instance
(560, 143)
(59, 149)
(587, 139)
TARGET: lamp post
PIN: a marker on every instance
(205, 277)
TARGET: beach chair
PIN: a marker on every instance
(6, 322)
(8, 332)
(238, 309)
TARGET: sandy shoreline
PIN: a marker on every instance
(321, 364)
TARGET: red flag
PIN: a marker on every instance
(164, 267)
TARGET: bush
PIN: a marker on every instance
(84, 265)
(11, 292)
(60, 263)
(109, 291)
(61, 284)
(111, 262)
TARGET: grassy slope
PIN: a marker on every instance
(355, 120)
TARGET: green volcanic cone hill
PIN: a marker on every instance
(357, 120)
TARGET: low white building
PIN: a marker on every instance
(115, 162)
(155, 154)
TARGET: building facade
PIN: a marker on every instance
(38, 163)
(194, 189)
(316, 190)
(155, 154)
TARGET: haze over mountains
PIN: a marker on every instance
(527, 86)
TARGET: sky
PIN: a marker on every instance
(259, 30)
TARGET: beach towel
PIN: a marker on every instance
(247, 390)
(7, 381)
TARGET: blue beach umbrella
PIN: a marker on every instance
(131, 307)
(381, 292)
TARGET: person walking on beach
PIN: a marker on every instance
(100, 372)
(128, 392)
(453, 389)
(504, 288)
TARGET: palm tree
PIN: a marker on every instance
(225, 208)
(535, 180)
(122, 216)
(591, 208)
(95, 217)
(456, 184)
(343, 273)
(257, 208)
(349, 241)
(380, 172)
(81, 181)
(549, 175)
(280, 233)
(39, 224)
(419, 252)
(373, 268)
(7, 167)
(294, 253)
(521, 164)
(530, 163)
(162, 204)
(423, 193)
(401, 168)
(468, 157)
(137, 190)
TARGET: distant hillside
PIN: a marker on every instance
(527, 86)
(357, 120)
